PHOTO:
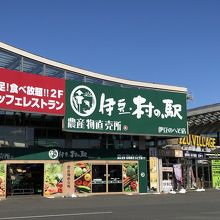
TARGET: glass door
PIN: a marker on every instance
(98, 178)
(204, 174)
(114, 178)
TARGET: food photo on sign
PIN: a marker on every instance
(2, 181)
(53, 183)
(130, 177)
(82, 177)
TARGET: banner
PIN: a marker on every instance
(216, 173)
(28, 92)
(130, 177)
(153, 165)
(82, 177)
(108, 109)
(53, 179)
(178, 172)
(70, 154)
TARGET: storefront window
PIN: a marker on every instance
(150, 143)
(13, 136)
(54, 72)
(55, 137)
(39, 130)
(31, 66)
(29, 137)
(122, 142)
(86, 140)
(48, 137)
(74, 76)
(40, 137)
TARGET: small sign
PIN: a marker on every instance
(142, 174)
(53, 154)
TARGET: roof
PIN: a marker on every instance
(204, 119)
(10, 61)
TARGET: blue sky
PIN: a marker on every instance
(174, 42)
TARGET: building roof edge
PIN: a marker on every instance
(90, 73)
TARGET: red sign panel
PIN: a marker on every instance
(28, 92)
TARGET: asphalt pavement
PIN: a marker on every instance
(188, 206)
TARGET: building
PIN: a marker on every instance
(196, 156)
(205, 122)
(66, 130)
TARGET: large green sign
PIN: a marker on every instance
(98, 108)
(216, 173)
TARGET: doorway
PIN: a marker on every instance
(204, 173)
(106, 178)
(23, 179)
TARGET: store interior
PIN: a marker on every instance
(25, 179)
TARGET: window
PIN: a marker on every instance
(31, 66)
(55, 72)
(74, 76)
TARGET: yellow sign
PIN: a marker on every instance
(198, 141)
(153, 162)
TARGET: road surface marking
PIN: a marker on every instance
(58, 215)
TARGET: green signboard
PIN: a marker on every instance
(69, 154)
(216, 173)
(98, 108)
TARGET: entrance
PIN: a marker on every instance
(107, 178)
(168, 179)
(25, 179)
(204, 173)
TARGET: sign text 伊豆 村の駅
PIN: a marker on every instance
(198, 141)
(26, 92)
(107, 109)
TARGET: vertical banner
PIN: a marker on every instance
(2, 180)
(53, 179)
(153, 173)
(192, 179)
(160, 175)
(178, 172)
(82, 177)
(142, 176)
(130, 177)
(216, 173)
(68, 183)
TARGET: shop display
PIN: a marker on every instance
(24, 179)
(53, 184)
(82, 177)
(130, 177)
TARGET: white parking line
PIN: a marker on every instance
(58, 215)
